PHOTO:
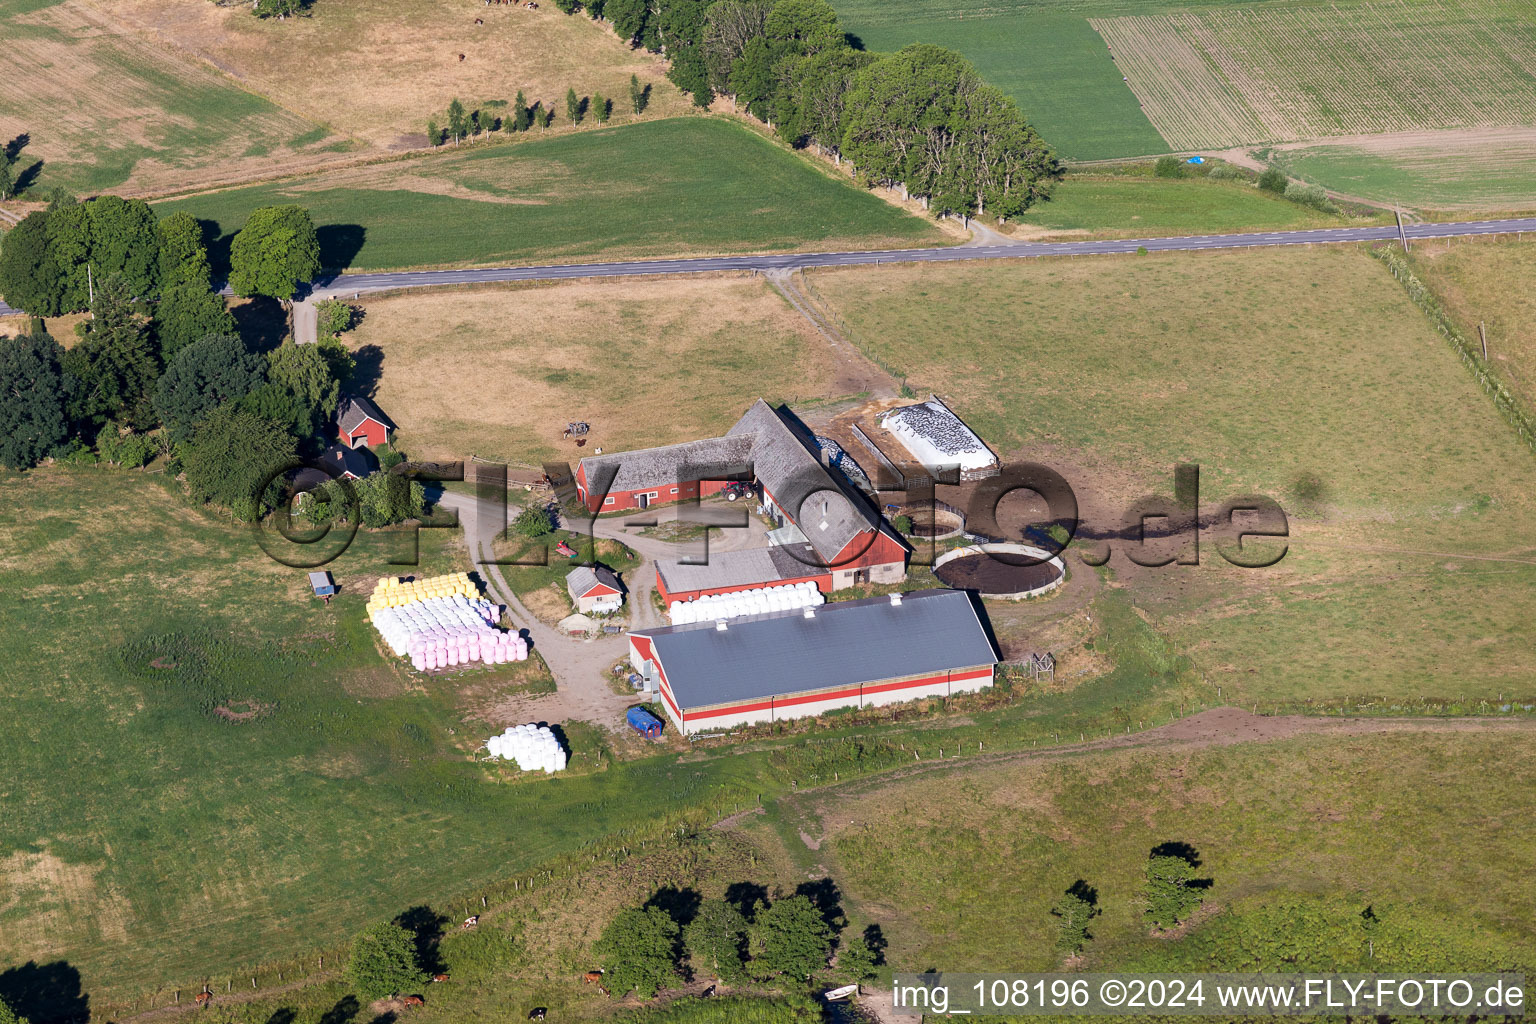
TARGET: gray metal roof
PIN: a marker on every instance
(354, 409)
(844, 644)
(784, 457)
(584, 577)
(670, 465)
(740, 568)
(787, 461)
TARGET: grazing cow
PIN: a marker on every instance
(439, 977)
(537, 1013)
(412, 1001)
(203, 998)
(479, 21)
(461, 56)
(471, 921)
(592, 977)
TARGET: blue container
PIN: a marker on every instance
(644, 723)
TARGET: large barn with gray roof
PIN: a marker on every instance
(840, 538)
(766, 668)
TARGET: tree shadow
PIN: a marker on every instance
(339, 244)
(874, 938)
(217, 241)
(681, 905)
(27, 178)
(1085, 892)
(367, 371)
(283, 1016)
(45, 993)
(745, 897)
(262, 323)
(1181, 850)
(15, 146)
(426, 927)
(827, 898)
(345, 1010)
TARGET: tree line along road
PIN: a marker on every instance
(350, 284)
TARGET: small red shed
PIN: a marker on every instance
(361, 424)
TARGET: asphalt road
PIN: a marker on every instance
(347, 284)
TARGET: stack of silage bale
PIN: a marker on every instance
(531, 747)
(441, 622)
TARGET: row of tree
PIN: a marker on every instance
(53, 260)
(459, 123)
(920, 119)
(792, 938)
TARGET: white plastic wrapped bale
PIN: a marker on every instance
(445, 631)
(710, 607)
(530, 747)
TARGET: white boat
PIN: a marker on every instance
(833, 995)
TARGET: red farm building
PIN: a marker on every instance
(360, 424)
(828, 532)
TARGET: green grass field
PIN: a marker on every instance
(1451, 171)
(962, 866)
(104, 108)
(1047, 57)
(206, 767)
(1246, 74)
(1125, 206)
(691, 186)
(1302, 374)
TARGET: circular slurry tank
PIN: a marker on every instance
(930, 522)
(1009, 572)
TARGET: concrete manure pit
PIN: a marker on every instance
(1010, 572)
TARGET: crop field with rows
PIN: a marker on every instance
(1230, 76)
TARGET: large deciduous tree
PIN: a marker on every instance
(125, 242)
(32, 396)
(276, 251)
(716, 940)
(183, 254)
(187, 312)
(921, 118)
(203, 376)
(790, 937)
(234, 460)
(383, 961)
(312, 375)
(638, 950)
(29, 276)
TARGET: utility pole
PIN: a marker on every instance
(1482, 332)
(90, 284)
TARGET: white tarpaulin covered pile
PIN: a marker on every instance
(532, 747)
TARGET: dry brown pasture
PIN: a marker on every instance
(1490, 282)
(1228, 76)
(104, 105)
(498, 373)
(378, 70)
